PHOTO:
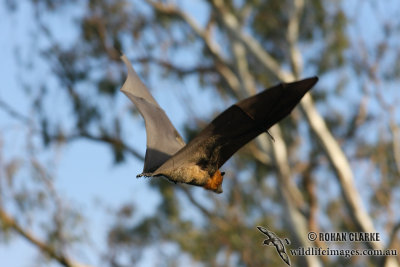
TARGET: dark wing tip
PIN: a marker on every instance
(315, 78)
(305, 83)
(311, 81)
(300, 87)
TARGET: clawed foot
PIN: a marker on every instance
(145, 174)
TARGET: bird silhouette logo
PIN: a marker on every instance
(274, 240)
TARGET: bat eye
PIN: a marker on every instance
(222, 173)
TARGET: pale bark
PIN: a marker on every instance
(332, 149)
(9, 222)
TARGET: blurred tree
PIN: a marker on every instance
(233, 48)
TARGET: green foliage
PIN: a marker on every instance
(107, 86)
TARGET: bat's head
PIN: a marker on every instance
(214, 183)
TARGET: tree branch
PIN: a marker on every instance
(291, 196)
(221, 64)
(174, 68)
(13, 112)
(293, 37)
(232, 25)
(394, 128)
(61, 258)
(110, 140)
(106, 139)
(335, 154)
(279, 147)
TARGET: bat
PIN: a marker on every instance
(274, 240)
(198, 162)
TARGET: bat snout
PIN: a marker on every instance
(215, 182)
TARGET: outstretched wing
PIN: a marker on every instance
(163, 140)
(239, 124)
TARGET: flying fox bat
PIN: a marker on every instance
(198, 162)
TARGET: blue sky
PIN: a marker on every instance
(80, 181)
(86, 176)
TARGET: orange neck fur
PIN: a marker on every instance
(215, 182)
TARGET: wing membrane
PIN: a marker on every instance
(238, 125)
(163, 140)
